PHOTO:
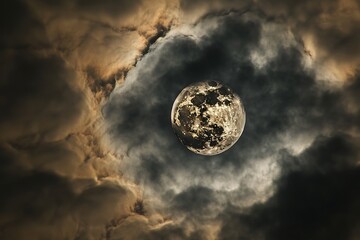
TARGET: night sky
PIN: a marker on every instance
(87, 151)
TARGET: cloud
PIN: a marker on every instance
(293, 173)
(47, 201)
(47, 205)
(30, 106)
(58, 180)
(327, 29)
(282, 98)
(316, 198)
(105, 38)
(20, 28)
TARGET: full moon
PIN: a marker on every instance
(208, 117)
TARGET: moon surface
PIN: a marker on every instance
(208, 117)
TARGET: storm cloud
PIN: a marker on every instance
(282, 98)
(57, 180)
(86, 146)
(317, 197)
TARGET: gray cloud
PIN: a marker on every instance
(328, 30)
(282, 97)
(293, 173)
(317, 197)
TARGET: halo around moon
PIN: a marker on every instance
(208, 117)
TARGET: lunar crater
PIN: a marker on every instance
(208, 117)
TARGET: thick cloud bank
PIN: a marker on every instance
(291, 120)
(86, 145)
(59, 61)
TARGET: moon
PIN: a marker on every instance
(208, 117)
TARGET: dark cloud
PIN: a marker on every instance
(193, 10)
(145, 132)
(30, 105)
(40, 92)
(44, 203)
(111, 7)
(274, 99)
(196, 200)
(108, 8)
(20, 28)
(293, 174)
(103, 39)
(283, 97)
(316, 198)
(55, 177)
(329, 31)
(139, 230)
(334, 24)
(32, 202)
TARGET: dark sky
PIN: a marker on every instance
(86, 145)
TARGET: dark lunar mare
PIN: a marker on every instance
(212, 133)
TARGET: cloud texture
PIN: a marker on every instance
(86, 145)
